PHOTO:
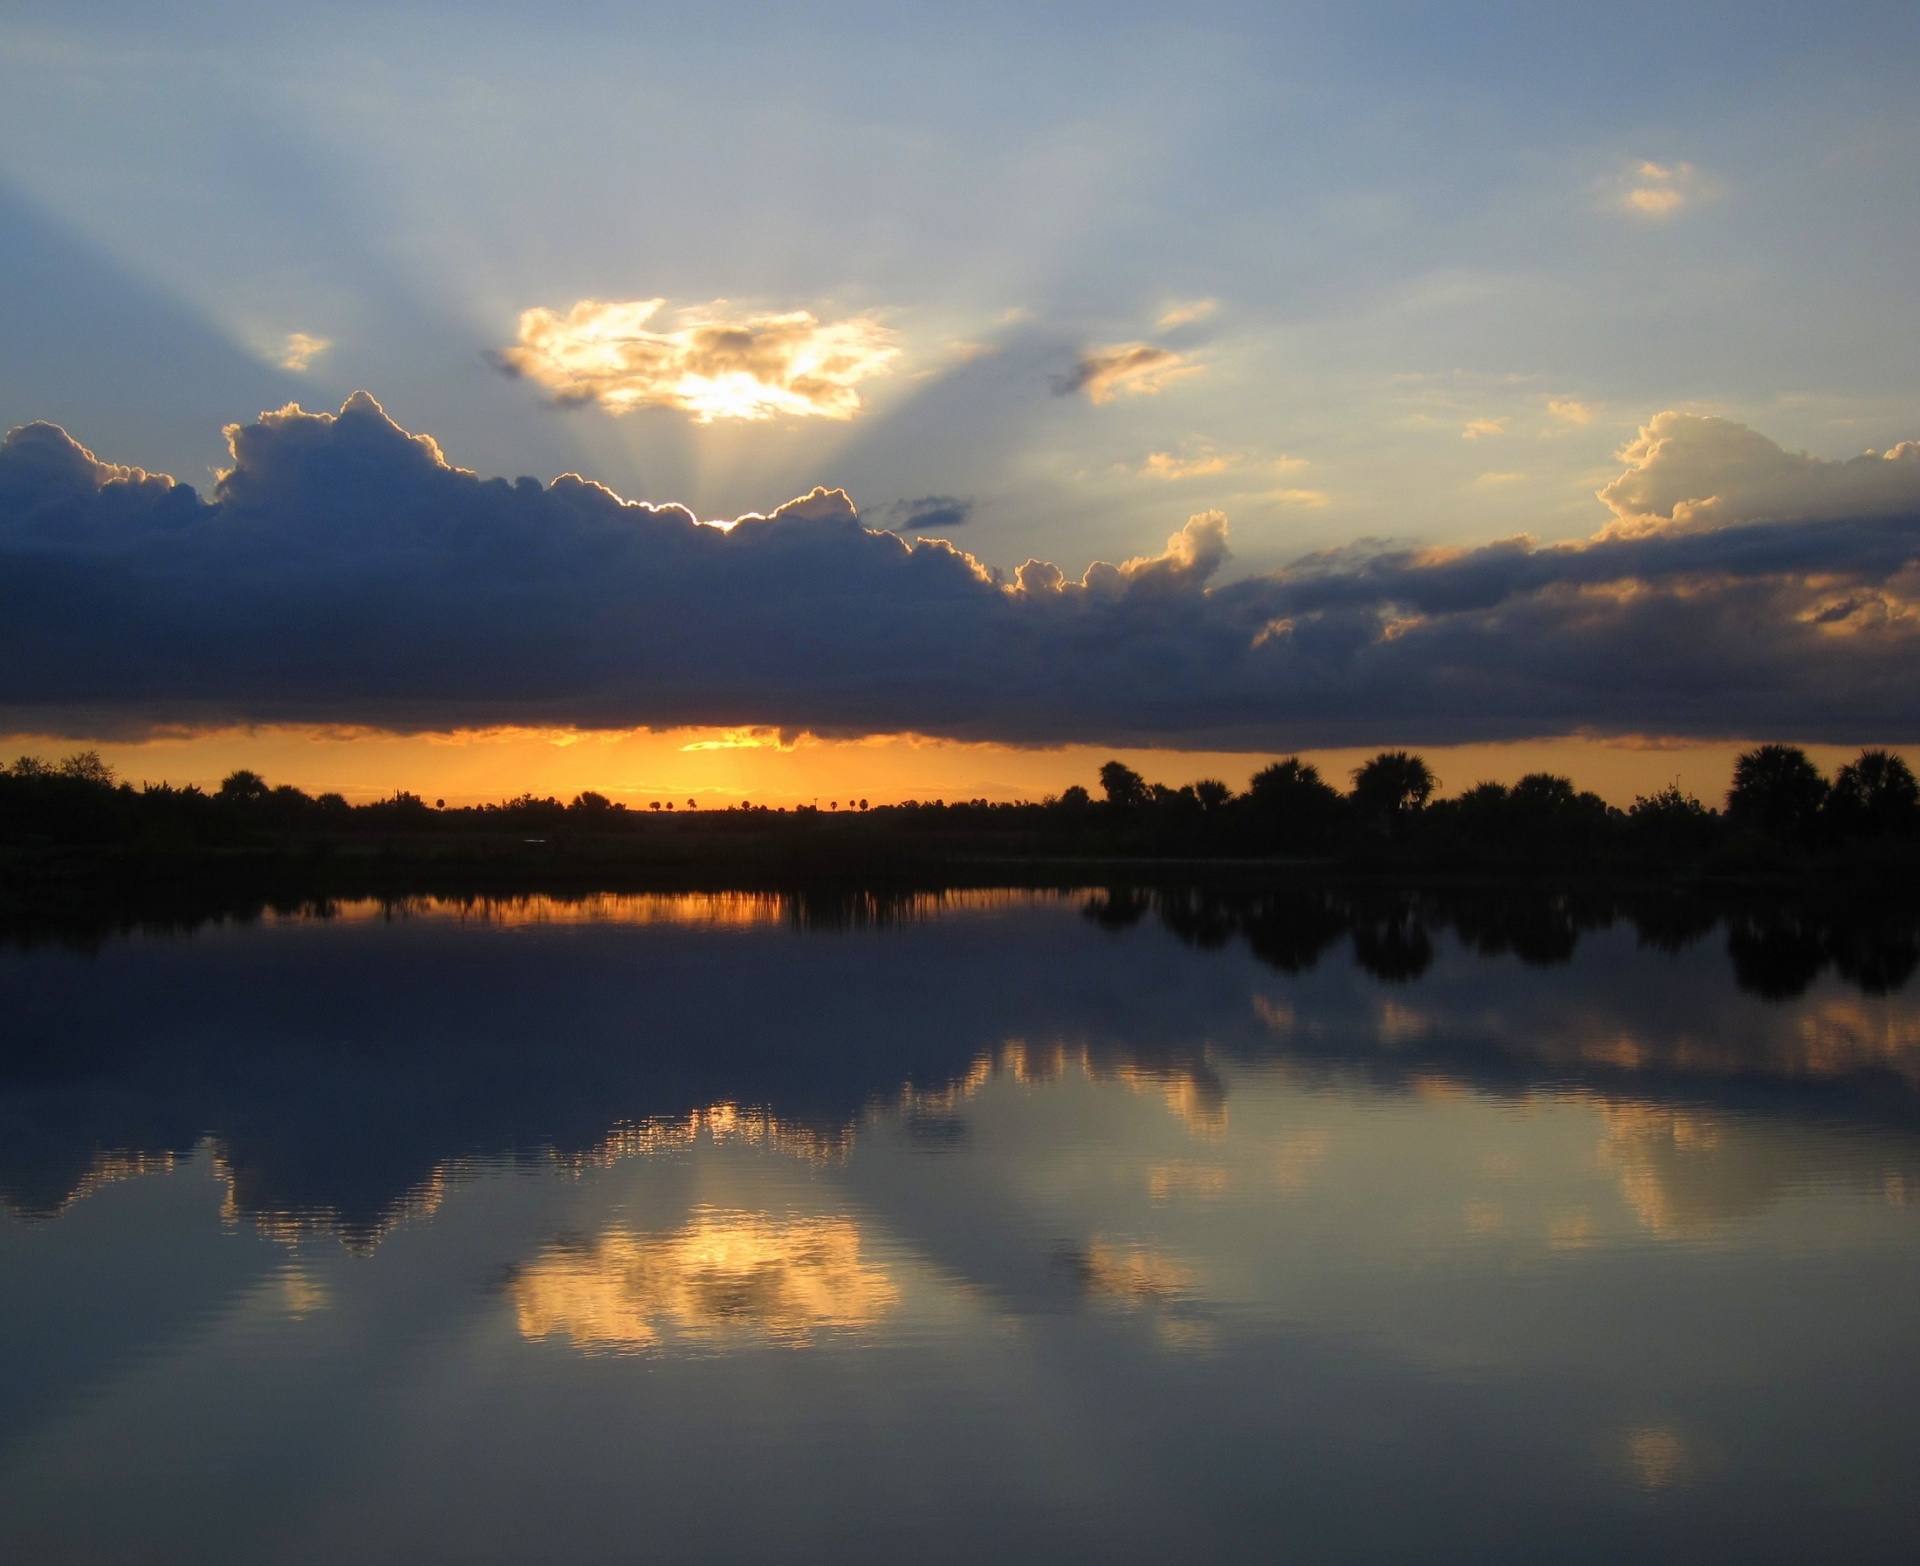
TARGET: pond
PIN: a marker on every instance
(1090, 1225)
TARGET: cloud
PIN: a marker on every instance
(1207, 462)
(1481, 428)
(1499, 478)
(1570, 411)
(711, 365)
(301, 350)
(941, 511)
(1126, 369)
(1186, 314)
(1687, 470)
(1165, 465)
(1654, 190)
(343, 572)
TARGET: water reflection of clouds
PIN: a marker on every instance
(1130, 1277)
(624, 1006)
(725, 1279)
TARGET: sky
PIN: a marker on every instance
(1515, 382)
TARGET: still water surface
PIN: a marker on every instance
(1016, 1226)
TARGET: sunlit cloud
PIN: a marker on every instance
(1656, 190)
(301, 350)
(1499, 478)
(1206, 462)
(1688, 471)
(1310, 498)
(1186, 314)
(726, 1279)
(1570, 411)
(743, 739)
(1479, 429)
(1165, 465)
(1125, 369)
(712, 365)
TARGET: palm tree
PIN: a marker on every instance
(1292, 807)
(1874, 795)
(1778, 790)
(1124, 786)
(1391, 787)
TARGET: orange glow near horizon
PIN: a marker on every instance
(715, 768)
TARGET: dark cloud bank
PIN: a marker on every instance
(343, 573)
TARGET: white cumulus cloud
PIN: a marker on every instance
(1658, 190)
(1687, 470)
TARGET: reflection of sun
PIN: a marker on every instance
(725, 1279)
(1658, 1456)
(301, 1294)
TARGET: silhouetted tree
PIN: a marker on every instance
(1290, 805)
(1875, 795)
(85, 766)
(1544, 794)
(243, 787)
(1124, 786)
(1777, 790)
(1212, 794)
(1671, 822)
(1394, 785)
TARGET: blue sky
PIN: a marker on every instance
(1411, 220)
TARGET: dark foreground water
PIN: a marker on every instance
(999, 1227)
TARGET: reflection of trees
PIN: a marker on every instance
(1394, 948)
(1778, 948)
(1119, 907)
(1776, 955)
(1878, 958)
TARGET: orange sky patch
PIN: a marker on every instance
(720, 767)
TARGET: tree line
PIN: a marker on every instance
(1779, 809)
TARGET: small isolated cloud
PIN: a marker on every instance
(1499, 478)
(1688, 471)
(1207, 462)
(1570, 411)
(1166, 465)
(1657, 190)
(1186, 314)
(1125, 369)
(1309, 498)
(1480, 428)
(301, 350)
(930, 511)
(711, 365)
